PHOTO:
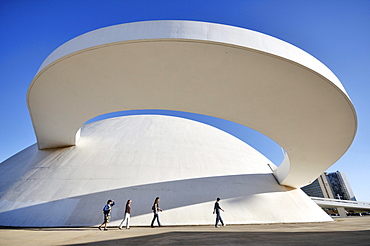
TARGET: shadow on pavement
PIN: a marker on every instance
(245, 238)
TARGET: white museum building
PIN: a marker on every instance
(222, 71)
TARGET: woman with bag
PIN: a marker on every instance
(156, 209)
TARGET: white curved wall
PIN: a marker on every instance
(191, 30)
(217, 70)
(188, 164)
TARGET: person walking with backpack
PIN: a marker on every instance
(156, 209)
(106, 211)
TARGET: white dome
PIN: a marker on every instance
(186, 163)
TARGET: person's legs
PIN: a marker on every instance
(222, 222)
(103, 224)
(217, 219)
(152, 224)
(156, 216)
(123, 221)
(106, 221)
(159, 223)
(127, 216)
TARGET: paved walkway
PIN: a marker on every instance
(343, 231)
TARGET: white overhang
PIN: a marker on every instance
(222, 71)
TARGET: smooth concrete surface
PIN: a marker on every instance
(343, 231)
(186, 163)
(222, 71)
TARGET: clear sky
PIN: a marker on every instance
(336, 32)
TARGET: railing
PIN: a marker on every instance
(341, 203)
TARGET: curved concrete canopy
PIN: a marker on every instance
(217, 70)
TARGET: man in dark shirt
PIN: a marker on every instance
(216, 210)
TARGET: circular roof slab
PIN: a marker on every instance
(211, 69)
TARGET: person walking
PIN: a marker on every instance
(106, 211)
(127, 215)
(216, 210)
(156, 209)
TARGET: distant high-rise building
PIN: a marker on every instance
(330, 185)
(340, 186)
(319, 188)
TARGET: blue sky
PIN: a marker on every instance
(336, 32)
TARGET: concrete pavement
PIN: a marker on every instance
(343, 231)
